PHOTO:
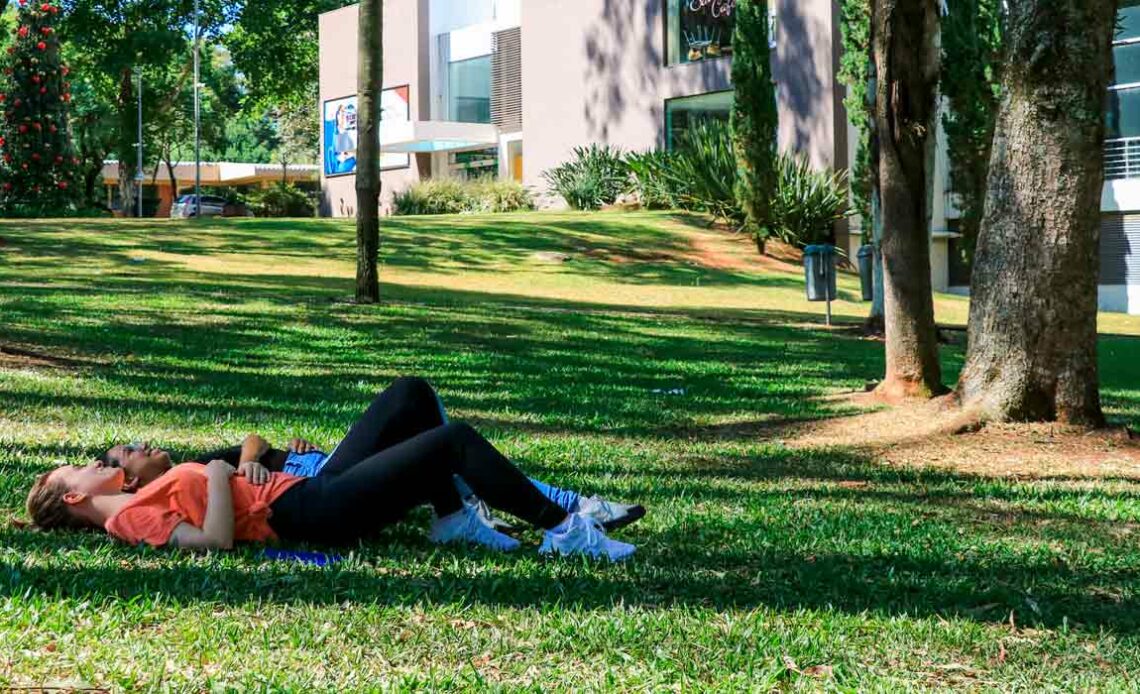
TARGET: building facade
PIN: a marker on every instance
(511, 87)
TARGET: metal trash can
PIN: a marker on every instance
(819, 272)
(866, 256)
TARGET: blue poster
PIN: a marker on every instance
(340, 136)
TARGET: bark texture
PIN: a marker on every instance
(1032, 353)
(906, 68)
(369, 82)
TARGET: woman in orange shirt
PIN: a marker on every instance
(209, 507)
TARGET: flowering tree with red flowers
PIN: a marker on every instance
(38, 173)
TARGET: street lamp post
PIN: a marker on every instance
(197, 117)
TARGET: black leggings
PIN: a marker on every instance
(353, 504)
(404, 409)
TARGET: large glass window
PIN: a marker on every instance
(698, 29)
(683, 113)
(469, 90)
(1124, 94)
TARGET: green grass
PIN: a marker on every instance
(754, 555)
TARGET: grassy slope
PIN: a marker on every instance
(193, 335)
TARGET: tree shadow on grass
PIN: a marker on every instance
(916, 549)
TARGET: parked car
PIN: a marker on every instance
(212, 206)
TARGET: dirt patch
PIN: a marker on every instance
(936, 435)
(721, 249)
(14, 357)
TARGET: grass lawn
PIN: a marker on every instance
(647, 366)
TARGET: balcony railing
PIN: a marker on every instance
(1122, 158)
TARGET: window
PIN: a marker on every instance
(1122, 148)
(475, 165)
(1124, 94)
(698, 29)
(469, 90)
(683, 113)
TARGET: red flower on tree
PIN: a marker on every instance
(23, 128)
(62, 185)
(37, 126)
(45, 7)
(36, 79)
(43, 90)
(22, 32)
(46, 31)
(42, 46)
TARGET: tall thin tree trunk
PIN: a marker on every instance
(128, 124)
(1032, 353)
(906, 61)
(370, 80)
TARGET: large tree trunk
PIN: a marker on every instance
(906, 64)
(1032, 353)
(369, 82)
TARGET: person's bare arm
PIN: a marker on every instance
(250, 467)
(217, 531)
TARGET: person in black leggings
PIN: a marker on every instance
(406, 408)
(400, 454)
(210, 507)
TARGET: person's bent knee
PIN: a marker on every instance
(412, 387)
(461, 430)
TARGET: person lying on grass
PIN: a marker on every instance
(198, 506)
(408, 407)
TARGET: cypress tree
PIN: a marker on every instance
(754, 117)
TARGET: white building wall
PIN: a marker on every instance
(449, 15)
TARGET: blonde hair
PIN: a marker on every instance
(47, 508)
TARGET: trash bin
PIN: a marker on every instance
(866, 257)
(819, 271)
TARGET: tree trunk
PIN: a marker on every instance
(128, 124)
(370, 80)
(1032, 352)
(875, 321)
(906, 62)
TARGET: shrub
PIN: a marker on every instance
(280, 200)
(700, 175)
(652, 179)
(807, 203)
(596, 176)
(454, 196)
(704, 169)
(502, 196)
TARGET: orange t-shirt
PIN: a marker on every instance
(180, 496)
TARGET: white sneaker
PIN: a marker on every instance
(610, 514)
(465, 525)
(484, 511)
(579, 534)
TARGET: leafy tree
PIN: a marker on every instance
(119, 36)
(39, 164)
(971, 83)
(855, 73)
(1033, 310)
(274, 43)
(93, 121)
(754, 117)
